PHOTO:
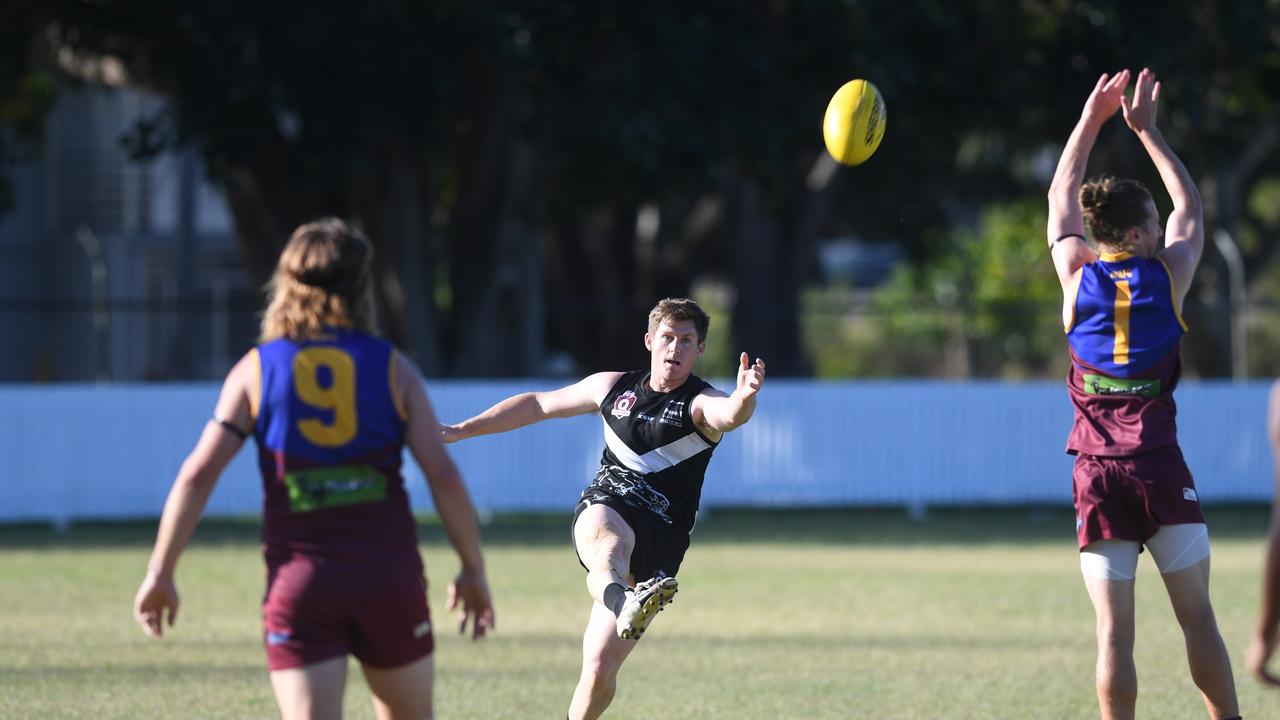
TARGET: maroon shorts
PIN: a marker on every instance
(1129, 498)
(314, 612)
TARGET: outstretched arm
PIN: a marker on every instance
(470, 588)
(527, 408)
(1066, 220)
(1184, 236)
(717, 413)
(157, 599)
(1267, 635)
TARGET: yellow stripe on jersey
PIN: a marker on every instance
(1123, 298)
(255, 384)
(1173, 294)
(1069, 307)
(395, 388)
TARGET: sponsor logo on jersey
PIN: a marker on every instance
(277, 638)
(319, 488)
(673, 413)
(423, 628)
(622, 406)
(1190, 494)
(1121, 274)
(1103, 385)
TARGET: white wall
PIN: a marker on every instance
(81, 451)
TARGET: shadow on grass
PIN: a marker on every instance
(869, 526)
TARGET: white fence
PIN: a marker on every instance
(82, 452)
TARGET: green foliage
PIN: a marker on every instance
(1263, 323)
(1015, 298)
(26, 92)
(720, 359)
(985, 303)
(562, 117)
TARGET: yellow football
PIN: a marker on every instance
(854, 124)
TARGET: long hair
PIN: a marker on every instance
(677, 310)
(323, 279)
(1113, 206)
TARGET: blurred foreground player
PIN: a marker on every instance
(1122, 313)
(331, 407)
(1267, 635)
(633, 521)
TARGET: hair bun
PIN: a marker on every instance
(1089, 197)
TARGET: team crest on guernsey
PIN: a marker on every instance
(622, 406)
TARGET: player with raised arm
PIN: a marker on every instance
(331, 407)
(1122, 311)
(633, 521)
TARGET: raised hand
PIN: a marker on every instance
(1140, 110)
(750, 377)
(1107, 97)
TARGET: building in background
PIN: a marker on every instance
(115, 270)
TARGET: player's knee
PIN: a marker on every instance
(1197, 617)
(602, 669)
(611, 546)
(1115, 637)
(603, 553)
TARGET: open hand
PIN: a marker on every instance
(1107, 97)
(469, 595)
(750, 377)
(1140, 111)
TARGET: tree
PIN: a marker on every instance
(536, 174)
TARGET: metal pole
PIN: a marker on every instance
(1235, 279)
(186, 257)
(101, 320)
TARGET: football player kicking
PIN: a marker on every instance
(633, 521)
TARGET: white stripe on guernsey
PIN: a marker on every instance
(658, 458)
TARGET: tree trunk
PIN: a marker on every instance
(497, 322)
(769, 265)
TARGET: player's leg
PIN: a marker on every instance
(1109, 567)
(306, 651)
(402, 693)
(313, 692)
(391, 636)
(602, 655)
(1182, 554)
(604, 542)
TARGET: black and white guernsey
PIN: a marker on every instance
(655, 458)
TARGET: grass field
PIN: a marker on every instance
(823, 614)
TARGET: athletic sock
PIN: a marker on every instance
(614, 597)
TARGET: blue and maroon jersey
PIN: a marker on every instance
(1124, 337)
(330, 436)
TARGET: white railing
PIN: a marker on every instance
(81, 451)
